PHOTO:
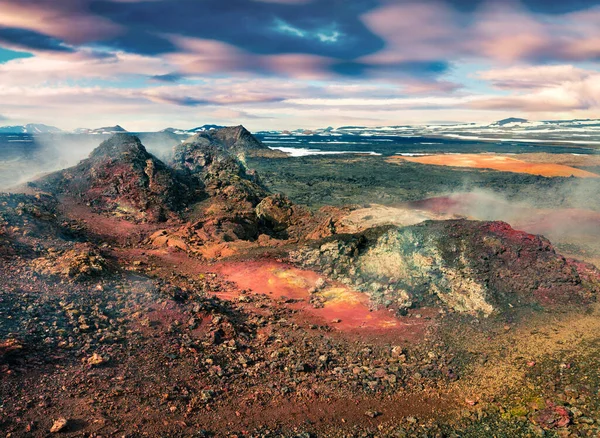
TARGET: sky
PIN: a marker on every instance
(287, 64)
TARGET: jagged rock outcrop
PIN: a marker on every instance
(236, 139)
(232, 191)
(121, 176)
(216, 144)
(278, 212)
(469, 266)
(210, 157)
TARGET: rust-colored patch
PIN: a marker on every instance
(501, 163)
(344, 308)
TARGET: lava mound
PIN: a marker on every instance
(120, 176)
(217, 169)
(468, 266)
(235, 139)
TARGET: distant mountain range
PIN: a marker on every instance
(192, 131)
(38, 128)
(580, 131)
(105, 130)
(31, 128)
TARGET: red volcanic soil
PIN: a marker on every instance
(498, 162)
(346, 311)
(344, 308)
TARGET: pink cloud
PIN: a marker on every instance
(528, 77)
(413, 31)
(578, 93)
(68, 20)
(200, 56)
(500, 31)
(298, 66)
(56, 68)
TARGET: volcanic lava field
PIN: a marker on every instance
(229, 290)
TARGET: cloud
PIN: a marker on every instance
(66, 20)
(328, 34)
(217, 94)
(543, 89)
(169, 77)
(297, 62)
(31, 40)
(499, 31)
(286, 2)
(321, 28)
(531, 77)
(59, 68)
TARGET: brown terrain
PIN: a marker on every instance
(142, 298)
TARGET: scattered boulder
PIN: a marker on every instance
(96, 360)
(552, 417)
(373, 414)
(162, 239)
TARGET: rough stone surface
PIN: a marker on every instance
(474, 267)
(120, 176)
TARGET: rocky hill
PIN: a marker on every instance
(121, 176)
(234, 140)
(468, 266)
(232, 191)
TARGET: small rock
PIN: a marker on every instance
(373, 414)
(96, 360)
(470, 401)
(302, 368)
(59, 425)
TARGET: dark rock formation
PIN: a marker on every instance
(470, 266)
(277, 212)
(121, 176)
(214, 160)
(236, 139)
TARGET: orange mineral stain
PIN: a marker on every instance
(344, 308)
(501, 163)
